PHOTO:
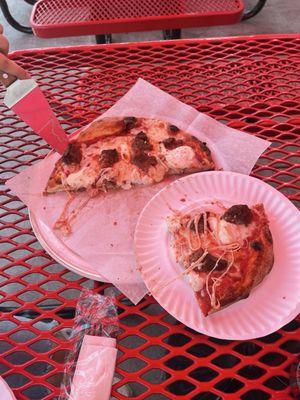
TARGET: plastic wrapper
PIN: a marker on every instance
(89, 366)
(101, 243)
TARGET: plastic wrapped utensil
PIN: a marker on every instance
(89, 367)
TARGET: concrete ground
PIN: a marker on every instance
(277, 17)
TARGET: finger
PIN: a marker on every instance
(4, 45)
(10, 67)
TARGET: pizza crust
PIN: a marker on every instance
(100, 129)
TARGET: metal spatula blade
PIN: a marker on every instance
(27, 100)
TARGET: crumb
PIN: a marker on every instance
(111, 245)
(284, 297)
(115, 223)
(44, 208)
(183, 199)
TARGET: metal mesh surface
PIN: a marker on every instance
(67, 16)
(53, 11)
(248, 83)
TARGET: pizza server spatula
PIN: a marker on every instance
(27, 100)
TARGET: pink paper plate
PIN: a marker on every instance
(5, 391)
(270, 305)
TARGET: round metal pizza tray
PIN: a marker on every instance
(40, 235)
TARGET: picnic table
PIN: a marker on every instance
(249, 83)
(53, 18)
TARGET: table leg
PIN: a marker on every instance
(103, 39)
(255, 10)
(172, 34)
(10, 19)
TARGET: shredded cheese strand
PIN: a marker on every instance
(194, 265)
(207, 279)
(215, 302)
(163, 163)
(205, 225)
(64, 221)
(196, 220)
(227, 247)
(76, 210)
(212, 233)
(104, 174)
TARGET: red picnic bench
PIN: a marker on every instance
(53, 18)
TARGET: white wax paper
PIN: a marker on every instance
(102, 239)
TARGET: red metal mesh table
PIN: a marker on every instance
(52, 18)
(248, 83)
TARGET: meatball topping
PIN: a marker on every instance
(205, 148)
(209, 262)
(171, 143)
(200, 224)
(239, 215)
(72, 154)
(256, 245)
(144, 161)
(129, 122)
(173, 129)
(141, 143)
(108, 158)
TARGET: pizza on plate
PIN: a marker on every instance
(225, 254)
(121, 153)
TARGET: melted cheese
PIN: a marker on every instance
(85, 177)
(125, 151)
(181, 158)
(228, 233)
(127, 175)
(156, 130)
(173, 223)
(157, 173)
(196, 281)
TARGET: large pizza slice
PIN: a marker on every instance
(225, 254)
(120, 153)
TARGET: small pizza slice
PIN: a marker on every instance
(121, 153)
(225, 254)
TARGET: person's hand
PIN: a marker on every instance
(9, 70)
